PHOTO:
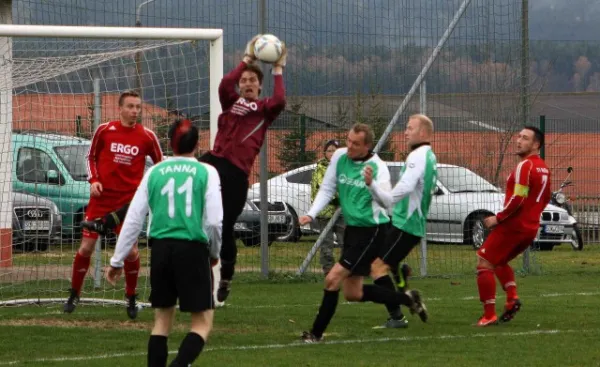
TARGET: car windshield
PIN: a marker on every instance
(460, 179)
(73, 157)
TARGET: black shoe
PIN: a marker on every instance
(309, 338)
(224, 289)
(510, 310)
(417, 307)
(132, 309)
(95, 225)
(71, 303)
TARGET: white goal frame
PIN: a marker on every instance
(9, 31)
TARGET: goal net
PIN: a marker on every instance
(57, 84)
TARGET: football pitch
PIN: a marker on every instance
(558, 325)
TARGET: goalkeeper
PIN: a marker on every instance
(243, 125)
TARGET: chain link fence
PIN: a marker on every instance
(358, 61)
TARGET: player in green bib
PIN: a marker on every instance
(366, 221)
(183, 198)
(410, 201)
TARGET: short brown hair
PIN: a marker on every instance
(364, 128)
(256, 70)
(424, 121)
(127, 93)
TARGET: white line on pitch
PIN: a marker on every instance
(300, 344)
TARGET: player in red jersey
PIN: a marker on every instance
(242, 128)
(514, 228)
(116, 162)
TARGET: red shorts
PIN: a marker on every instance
(504, 244)
(99, 206)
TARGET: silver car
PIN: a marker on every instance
(462, 199)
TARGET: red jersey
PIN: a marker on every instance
(243, 124)
(527, 194)
(117, 156)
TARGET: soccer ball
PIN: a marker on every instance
(268, 48)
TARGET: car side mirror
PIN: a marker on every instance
(53, 177)
(570, 169)
(438, 191)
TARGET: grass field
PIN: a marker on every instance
(559, 324)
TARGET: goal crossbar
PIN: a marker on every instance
(214, 35)
(60, 31)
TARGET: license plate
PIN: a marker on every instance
(39, 225)
(277, 219)
(551, 228)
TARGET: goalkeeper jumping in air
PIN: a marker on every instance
(243, 125)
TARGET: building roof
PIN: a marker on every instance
(59, 112)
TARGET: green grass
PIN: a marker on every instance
(559, 325)
(443, 259)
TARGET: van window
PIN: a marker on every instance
(303, 177)
(74, 159)
(33, 164)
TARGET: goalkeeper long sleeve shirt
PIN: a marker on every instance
(243, 124)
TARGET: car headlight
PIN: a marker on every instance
(560, 198)
(564, 216)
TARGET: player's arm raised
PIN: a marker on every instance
(227, 93)
(212, 218)
(520, 192)
(275, 104)
(327, 189)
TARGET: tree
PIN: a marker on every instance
(293, 153)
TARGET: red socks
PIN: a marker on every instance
(506, 276)
(487, 291)
(131, 269)
(81, 264)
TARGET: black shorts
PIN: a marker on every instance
(181, 270)
(398, 244)
(361, 246)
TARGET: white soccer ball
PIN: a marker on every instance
(268, 48)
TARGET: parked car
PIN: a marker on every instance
(54, 167)
(462, 199)
(247, 227)
(36, 222)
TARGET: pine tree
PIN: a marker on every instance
(293, 153)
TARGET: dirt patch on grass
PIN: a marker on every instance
(145, 326)
(61, 323)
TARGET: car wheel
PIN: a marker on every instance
(295, 232)
(253, 241)
(578, 238)
(475, 232)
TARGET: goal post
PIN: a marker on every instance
(53, 73)
(215, 36)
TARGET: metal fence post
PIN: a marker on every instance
(98, 250)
